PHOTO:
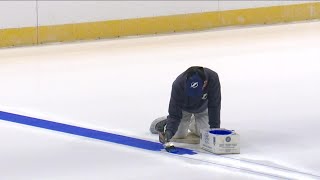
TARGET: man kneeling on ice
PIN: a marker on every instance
(195, 104)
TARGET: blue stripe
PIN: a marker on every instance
(90, 133)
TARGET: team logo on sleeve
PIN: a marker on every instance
(205, 96)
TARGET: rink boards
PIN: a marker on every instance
(44, 22)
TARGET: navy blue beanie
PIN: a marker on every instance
(195, 81)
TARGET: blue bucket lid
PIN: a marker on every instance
(220, 132)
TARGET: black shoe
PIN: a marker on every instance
(158, 125)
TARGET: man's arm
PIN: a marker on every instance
(214, 102)
(175, 112)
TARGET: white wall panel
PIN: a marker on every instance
(15, 14)
(65, 12)
(298, 2)
(237, 4)
(256, 4)
(231, 5)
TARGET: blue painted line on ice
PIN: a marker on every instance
(130, 141)
(90, 133)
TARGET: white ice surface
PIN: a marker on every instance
(270, 78)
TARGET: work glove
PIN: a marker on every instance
(165, 137)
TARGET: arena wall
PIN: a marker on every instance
(37, 22)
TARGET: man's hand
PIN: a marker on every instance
(165, 137)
